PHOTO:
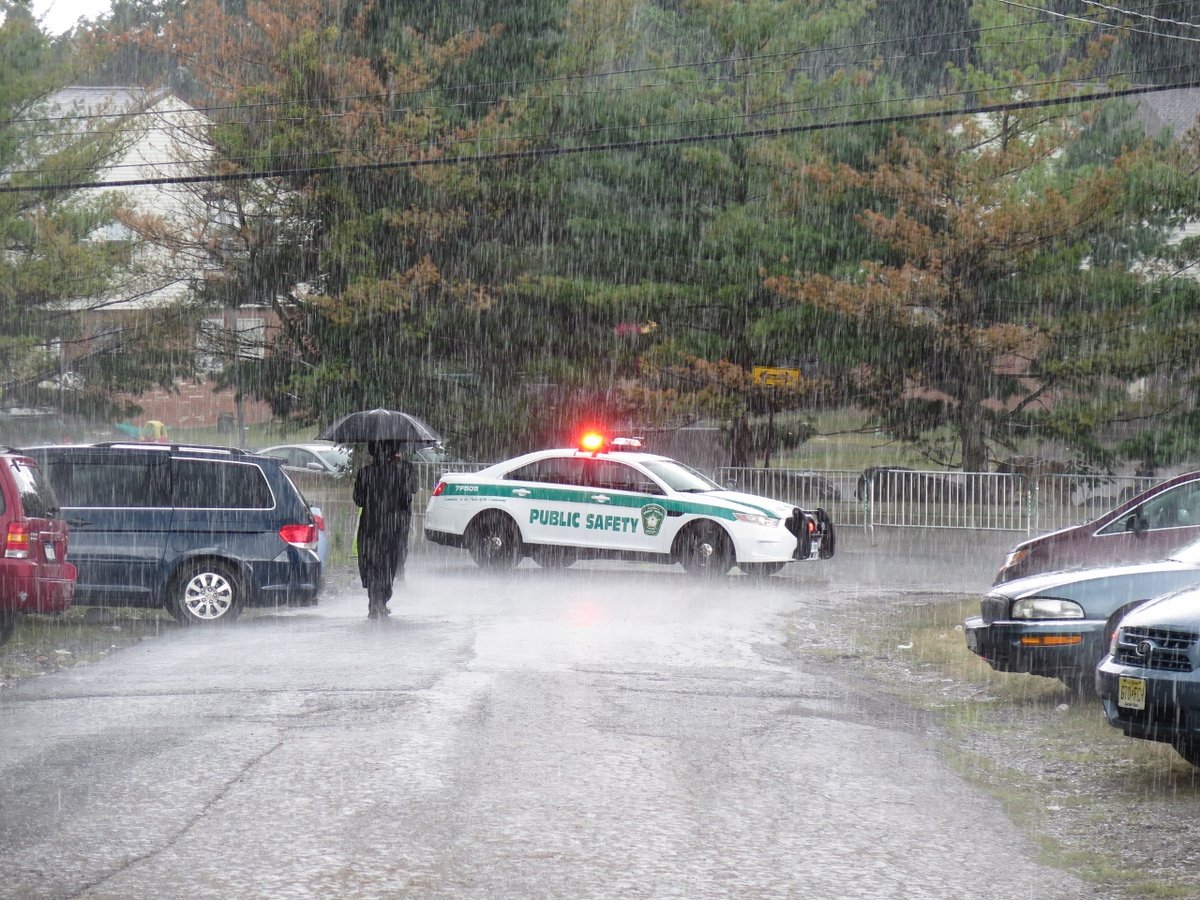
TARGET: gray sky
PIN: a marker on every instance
(59, 15)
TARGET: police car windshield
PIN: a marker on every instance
(679, 477)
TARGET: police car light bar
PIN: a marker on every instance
(592, 442)
(595, 442)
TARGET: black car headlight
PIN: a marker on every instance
(1046, 608)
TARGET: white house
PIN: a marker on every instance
(166, 226)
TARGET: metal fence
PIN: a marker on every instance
(883, 497)
(989, 501)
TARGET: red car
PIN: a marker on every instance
(1142, 529)
(34, 573)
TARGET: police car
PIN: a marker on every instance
(609, 500)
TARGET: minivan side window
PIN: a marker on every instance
(209, 484)
(110, 483)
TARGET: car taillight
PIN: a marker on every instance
(810, 525)
(16, 544)
(320, 522)
(303, 536)
(437, 491)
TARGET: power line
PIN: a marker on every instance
(781, 110)
(1140, 15)
(385, 95)
(1050, 12)
(539, 153)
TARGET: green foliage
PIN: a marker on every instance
(508, 300)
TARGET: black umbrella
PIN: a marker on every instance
(380, 425)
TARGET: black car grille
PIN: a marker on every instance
(1166, 649)
(993, 609)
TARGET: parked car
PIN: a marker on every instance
(611, 500)
(203, 532)
(336, 461)
(1058, 624)
(320, 457)
(1149, 682)
(35, 575)
(1148, 526)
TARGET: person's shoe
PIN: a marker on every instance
(373, 612)
(384, 611)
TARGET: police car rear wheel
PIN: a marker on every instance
(553, 557)
(706, 550)
(495, 542)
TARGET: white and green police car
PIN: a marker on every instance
(608, 500)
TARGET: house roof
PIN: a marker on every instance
(1176, 110)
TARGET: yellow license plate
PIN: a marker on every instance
(1131, 693)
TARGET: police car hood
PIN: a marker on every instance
(749, 503)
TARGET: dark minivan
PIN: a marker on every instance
(203, 532)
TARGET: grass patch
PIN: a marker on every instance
(45, 643)
(1111, 810)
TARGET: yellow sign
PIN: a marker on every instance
(776, 376)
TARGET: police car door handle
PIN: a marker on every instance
(601, 498)
(521, 492)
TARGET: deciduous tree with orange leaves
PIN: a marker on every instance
(987, 310)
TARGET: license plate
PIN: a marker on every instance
(51, 556)
(1131, 693)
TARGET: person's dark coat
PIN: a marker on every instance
(384, 489)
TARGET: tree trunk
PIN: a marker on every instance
(740, 443)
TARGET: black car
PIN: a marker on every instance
(203, 532)
(1149, 682)
(1058, 624)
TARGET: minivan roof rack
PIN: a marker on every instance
(175, 448)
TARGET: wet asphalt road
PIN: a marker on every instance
(615, 730)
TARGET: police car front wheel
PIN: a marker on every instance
(494, 542)
(705, 549)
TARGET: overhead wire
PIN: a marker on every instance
(1139, 15)
(1130, 28)
(545, 152)
(164, 127)
(794, 107)
(386, 95)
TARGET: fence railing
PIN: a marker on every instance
(990, 501)
(883, 497)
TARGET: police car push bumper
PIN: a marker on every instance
(560, 505)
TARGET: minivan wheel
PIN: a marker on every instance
(205, 593)
(8, 624)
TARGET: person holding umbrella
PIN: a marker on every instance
(384, 490)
